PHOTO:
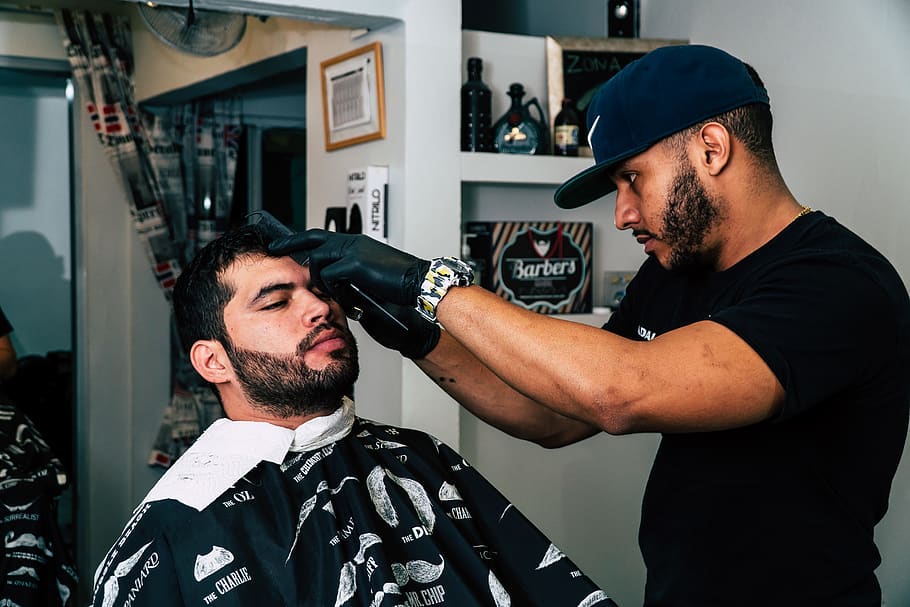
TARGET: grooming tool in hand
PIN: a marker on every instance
(279, 230)
(266, 220)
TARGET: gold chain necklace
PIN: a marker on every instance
(805, 211)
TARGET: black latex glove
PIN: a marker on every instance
(415, 339)
(384, 272)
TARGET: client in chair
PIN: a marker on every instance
(294, 499)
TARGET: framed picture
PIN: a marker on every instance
(353, 102)
(577, 67)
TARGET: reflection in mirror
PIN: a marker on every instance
(284, 175)
(271, 167)
(37, 472)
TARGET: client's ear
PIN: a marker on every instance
(210, 361)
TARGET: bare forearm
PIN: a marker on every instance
(700, 377)
(484, 394)
(570, 368)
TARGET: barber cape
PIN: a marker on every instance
(341, 511)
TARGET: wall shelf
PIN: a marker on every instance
(479, 167)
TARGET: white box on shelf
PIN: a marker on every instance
(368, 191)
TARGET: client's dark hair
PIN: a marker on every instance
(200, 294)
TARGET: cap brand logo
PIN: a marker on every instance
(591, 132)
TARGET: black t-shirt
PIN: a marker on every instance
(782, 512)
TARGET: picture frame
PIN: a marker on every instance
(578, 66)
(353, 99)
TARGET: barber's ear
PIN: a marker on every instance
(714, 147)
(210, 361)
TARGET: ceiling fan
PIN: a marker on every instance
(203, 33)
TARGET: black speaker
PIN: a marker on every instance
(622, 18)
(336, 219)
(355, 220)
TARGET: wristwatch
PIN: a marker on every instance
(444, 272)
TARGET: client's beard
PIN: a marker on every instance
(282, 385)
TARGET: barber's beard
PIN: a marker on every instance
(283, 385)
(690, 215)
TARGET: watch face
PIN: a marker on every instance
(458, 265)
(464, 274)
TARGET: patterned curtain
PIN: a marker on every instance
(207, 135)
(177, 165)
(100, 55)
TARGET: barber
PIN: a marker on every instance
(782, 404)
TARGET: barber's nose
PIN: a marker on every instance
(625, 214)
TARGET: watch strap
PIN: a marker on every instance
(444, 272)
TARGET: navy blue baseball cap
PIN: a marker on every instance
(661, 93)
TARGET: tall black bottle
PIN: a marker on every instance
(476, 107)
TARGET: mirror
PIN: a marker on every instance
(37, 290)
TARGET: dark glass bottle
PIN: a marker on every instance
(565, 130)
(476, 109)
(516, 132)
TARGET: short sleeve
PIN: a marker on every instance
(821, 324)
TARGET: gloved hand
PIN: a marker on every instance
(339, 259)
(415, 341)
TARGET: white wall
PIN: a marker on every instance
(123, 357)
(30, 36)
(421, 58)
(161, 69)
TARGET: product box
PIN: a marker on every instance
(368, 191)
(544, 266)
